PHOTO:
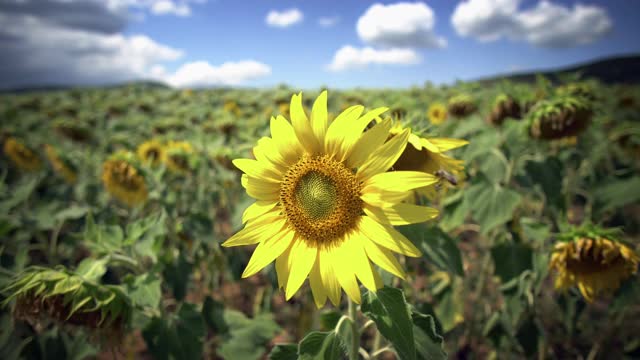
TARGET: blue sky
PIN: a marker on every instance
(512, 36)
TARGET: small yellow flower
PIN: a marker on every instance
(325, 204)
(151, 152)
(176, 156)
(231, 107)
(60, 166)
(595, 265)
(123, 180)
(25, 158)
(427, 155)
(437, 113)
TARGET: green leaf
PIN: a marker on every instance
(511, 260)
(284, 352)
(428, 342)
(178, 336)
(548, 174)
(92, 269)
(491, 204)
(329, 319)
(145, 290)
(154, 224)
(617, 193)
(321, 346)
(177, 276)
(213, 314)
(437, 247)
(534, 230)
(72, 212)
(388, 309)
(20, 193)
(248, 336)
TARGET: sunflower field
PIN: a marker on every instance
(473, 221)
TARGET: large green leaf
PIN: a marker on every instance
(491, 204)
(428, 342)
(284, 352)
(617, 193)
(213, 314)
(548, 174)
(248, 336)
(511, 260)
(145, 290)
(92, 269)
(322, 346)
(389, 310)
(176, 336)
(437, 247)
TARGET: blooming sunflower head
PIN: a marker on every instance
(461, 106)
(61, 164)
(325, 203)
(59, 296)
(427, 155)
(504, 107)
(437, 113)
(593, 260)
(21, 155)
(151, 152)
(123, 180)
(177, 155)
(559, 118)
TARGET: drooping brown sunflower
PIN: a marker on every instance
(61, 165)
(504, 107)
(123, 180)
(176, 156)
(596, 265)
(461, 106)
(22, 156)
(559, 118)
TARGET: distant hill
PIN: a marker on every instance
(611, 70)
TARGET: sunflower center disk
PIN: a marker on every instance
(320, 198)
(317, 195)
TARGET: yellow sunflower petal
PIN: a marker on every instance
(266, 151)
(256, 209)
(267, 251)
(398, 181)
(317, 289)
(384, 157)
(388, 237)
(446, 144)
(382, 198)
(256, 230)
(372, 139)
(285, 139)
(283, 264)
(351, 252)
(401, 214)
(329, 279)
(346, 277)
(303, 257)
(301, 125)
(260, 189)
(254, 168)
(383, 258)
(319, 118)
(335, 132)
(353, 131)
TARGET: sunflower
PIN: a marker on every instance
(325, 204)
(123, 180)
(231, 107)
(427, 155)
(61, 165)
(461, 106)
(25, 158)
(559, 118)
(595, 264)
(437, 113)
(176, 156)
(151, 152)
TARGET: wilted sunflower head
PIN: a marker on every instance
(71, 130)
(177, 155)
(151, 152)
(427, 155)
(61, 164)
(123, 180)
(325, 203)
(593, 260)
(461, 106)
(437, 113)
(504, 106)
(559, 118)
(59, 296)
(581, 89)
(22, 156)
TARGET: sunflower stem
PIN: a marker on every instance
(355, 334)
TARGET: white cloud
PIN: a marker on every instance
(201, 73)
(43, 52)
(328, 21)
(349, 57)
(545, 25)
(166, 7)
(284, 18)
(401, 24)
